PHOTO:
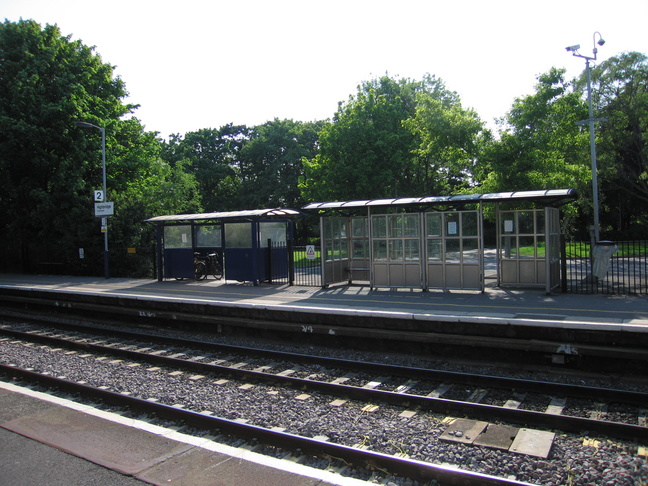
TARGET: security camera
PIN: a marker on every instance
(573, 48)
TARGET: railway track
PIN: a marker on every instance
(570, 408)
(574, 346)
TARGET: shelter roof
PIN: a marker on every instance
(246, 214)
(550, 197)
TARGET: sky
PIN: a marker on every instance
(194, 64)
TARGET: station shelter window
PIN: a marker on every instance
(359, 238)
(523, 234)
(238, 235)
(396, 238)
(209, 236)
(335, 239)
(274, 231)
(178, 236)
(453, 237)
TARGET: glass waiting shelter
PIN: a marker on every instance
(252, 245)
(437, 242)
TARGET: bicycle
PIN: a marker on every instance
(207, 265)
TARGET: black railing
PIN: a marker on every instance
(294, 264)
(626, 271)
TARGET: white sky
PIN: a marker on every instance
(196, 64)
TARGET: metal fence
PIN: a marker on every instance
(301, 268)
(626, 272)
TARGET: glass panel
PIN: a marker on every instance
(359, 227)
(208, 236)
(434, 250)
(395, 226)
(411, 222)
(509, 247)
(344, 249)
(540, 222)
(433, 224)
(411, 250)
(328, 228)
(238, 235)
(379, 226)
(525, 222)
(177, 236)
(541, 248)
(508, 223)
(336, 250)
(328, 250)
(453, 250)
(380, 250)
(470, 250)
(359, 249)
(339, 227)
(275, 231)
(527, 247)
(452, 224)
(469, 224)
(395, 250)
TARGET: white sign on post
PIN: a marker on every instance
(104, 209)
(99, 196)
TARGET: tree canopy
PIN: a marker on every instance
(49, 167)
(393, 137)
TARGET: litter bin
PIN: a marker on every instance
(601, 254)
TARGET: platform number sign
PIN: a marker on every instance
(99, 196)
(310, 252)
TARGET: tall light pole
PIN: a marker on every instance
(591, 121)
(105, 194)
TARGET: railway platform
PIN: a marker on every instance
(55, 441)
(531, 305)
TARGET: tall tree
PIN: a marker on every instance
(212, 156)
(451, 139)
(540, 145)
(366, 148)
(620, 94)
(48, 166)
(271, 163)
(394, 138)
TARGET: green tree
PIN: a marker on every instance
(620, 94)
(394, 138)
(212, 156)
(271, 163)
(451, 139)
(366, 148)
(540, 145)
(49, 167)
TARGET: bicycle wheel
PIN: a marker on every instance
(200, 271)
(218, 271)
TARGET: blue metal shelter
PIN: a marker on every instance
(251, 244)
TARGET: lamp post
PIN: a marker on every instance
(103, 167)
(591, 121)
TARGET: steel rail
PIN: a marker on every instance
(439, 405)
(410, 468)
(547, 387)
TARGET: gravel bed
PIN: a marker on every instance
(604, 462)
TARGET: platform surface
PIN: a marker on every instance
(494, 303)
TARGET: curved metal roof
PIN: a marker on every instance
(252, 213)
(548, 197)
